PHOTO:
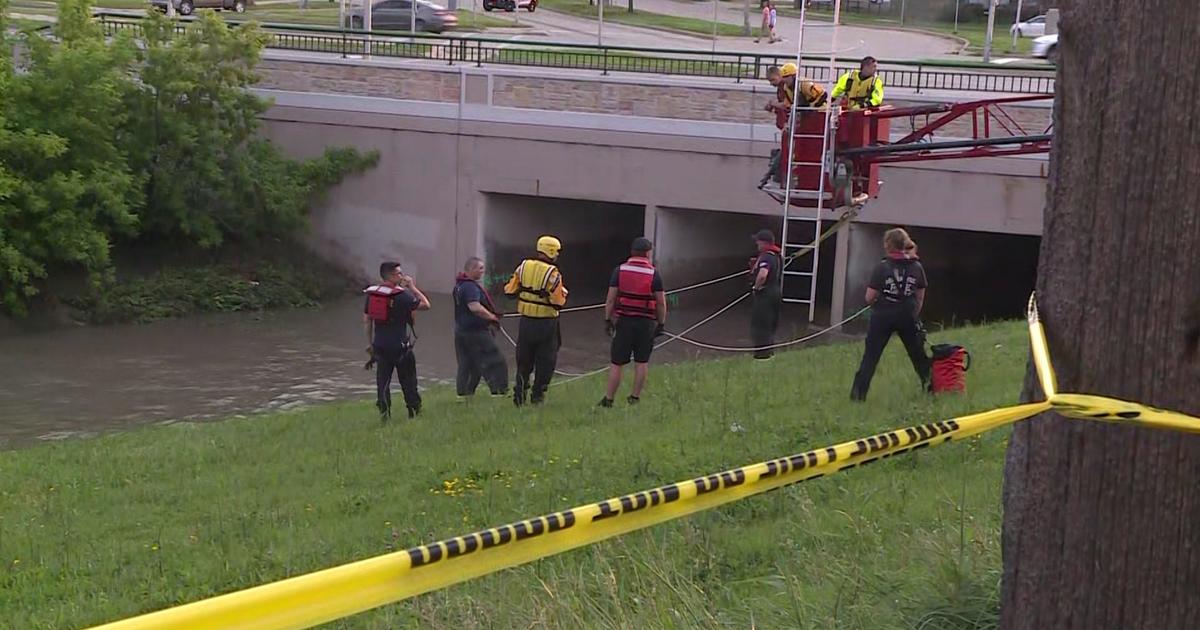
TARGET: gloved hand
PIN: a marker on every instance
(610, 328)
(660, 330)
(371, 361)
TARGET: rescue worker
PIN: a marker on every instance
(787, 84)
(635, 312)
(765, 269)
(896, 293)
(388, 316)
(861, 88)
(538, 287)
(476, 319)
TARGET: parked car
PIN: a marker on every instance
(1046, 47)
(1033, 27)
(187, 7)
(510, 5)
(396, 15)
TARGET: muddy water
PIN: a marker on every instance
(83, 381)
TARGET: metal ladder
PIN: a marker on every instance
(802, 225)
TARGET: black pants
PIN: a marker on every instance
(885, 322)
(764, 320)
(538, 341)
(478, 357)
(404, 364)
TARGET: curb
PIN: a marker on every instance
(664, 29)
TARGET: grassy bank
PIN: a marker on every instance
(98, 529)
(621, 15)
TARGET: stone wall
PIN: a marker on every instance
(654, 97)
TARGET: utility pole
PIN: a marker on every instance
(957, 3)
(903, 7)
(1016, 32)
(600, 29)
(715, 7)
(987, 43)
(412, 16)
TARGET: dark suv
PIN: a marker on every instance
(186, 7)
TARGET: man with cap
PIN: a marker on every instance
(765, 270)
(639, 305)
(538, 288)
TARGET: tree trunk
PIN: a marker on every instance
(1102, 523)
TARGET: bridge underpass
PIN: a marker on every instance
(464, 178)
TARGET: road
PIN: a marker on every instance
(853, 41)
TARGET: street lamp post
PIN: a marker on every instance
(957, 3)
(1016, 31)
(600, 29)
(987, 42)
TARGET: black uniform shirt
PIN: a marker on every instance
(897, 280)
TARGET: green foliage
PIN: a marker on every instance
(98, 529)
(104, 141)
(67, 187)
(177, 292)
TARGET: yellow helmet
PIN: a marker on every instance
(549, 246)
(788, 70)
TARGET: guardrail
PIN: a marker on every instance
(478, 51)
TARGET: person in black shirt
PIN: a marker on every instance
(387, 316)
(896, 292)
(475, 321)
(639, 305)
(764, 318)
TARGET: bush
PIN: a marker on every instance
(104, 141)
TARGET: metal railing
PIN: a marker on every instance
(915, 75)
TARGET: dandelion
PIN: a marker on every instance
(153, 547)
(387, 523)
(308, 508)
(16, 561)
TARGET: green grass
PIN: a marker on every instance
(94, 530)
(618, 61)
(974, 32)
(619, 14)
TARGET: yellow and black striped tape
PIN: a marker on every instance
(331, 594)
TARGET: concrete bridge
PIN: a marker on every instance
(483, 160)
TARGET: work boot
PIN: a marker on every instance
(633, 400)
(413, 412)
(606, 402)
(537, 398)
(519, 396)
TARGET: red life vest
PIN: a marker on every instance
(379, 301)
(635, 288)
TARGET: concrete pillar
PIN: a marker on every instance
(841, 269)
(650, 224)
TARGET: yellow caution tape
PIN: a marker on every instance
(334, 593)
(331, 594)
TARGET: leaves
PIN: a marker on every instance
(104, 141)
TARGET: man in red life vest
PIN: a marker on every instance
(388, 315)
(637, 301)
(765, 288)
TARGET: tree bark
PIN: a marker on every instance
(1102, 523)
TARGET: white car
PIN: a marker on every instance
(1046, 47)
(1034, 27)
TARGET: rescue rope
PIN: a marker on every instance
(775, 345)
